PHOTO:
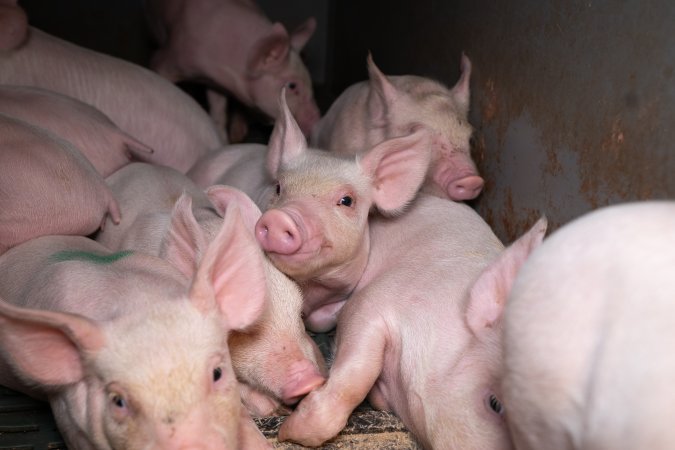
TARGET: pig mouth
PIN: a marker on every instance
(308, 253)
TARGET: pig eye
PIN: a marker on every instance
(292, 85)
(217, 374)
(118, 401)
(278, 188)
(495, 405)
(346, 201)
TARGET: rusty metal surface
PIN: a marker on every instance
(572, 101)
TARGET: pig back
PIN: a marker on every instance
(598, 294)
(76, 274)
(139, 101)
(47, 185)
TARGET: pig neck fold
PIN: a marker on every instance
(332, 288)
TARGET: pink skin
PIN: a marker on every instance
(235, 48)
(316, 227)
(66, 337)
(140, 102)
(420, 333)
(48, 186)
(598, 294)
(276, 360)
(13, 25)
(106, 147)
(371, 111)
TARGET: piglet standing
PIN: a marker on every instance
(276, 361)
(128, 351)
(47, 186)
(589, 334)
(235, 48)
(137, 100)
(315, 228)
(105, 146)
(384, 107)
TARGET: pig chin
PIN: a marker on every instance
(302, 264)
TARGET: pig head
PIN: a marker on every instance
(47, 186)
(384, 107)
(130, 353)
(275, 360)
(588, 333)
(315, 229)
(234, 47)
(420, 334)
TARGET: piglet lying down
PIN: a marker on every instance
(129, 352)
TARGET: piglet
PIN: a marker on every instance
(137, 100)
(371, 111)
(315, 229)
(128, 351)
(420, 333)
(276, 361)
(105, 146)
(47, 186)
(235, 48)
(588, 334)
(240, 165)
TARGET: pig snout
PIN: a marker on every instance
(196, 431)
(465, 188)
(278, 232)
(303, 379)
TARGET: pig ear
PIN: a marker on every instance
(303, 33)
(223, 197)
(461, 91)
(185, 241)
(231, 274)
(490, 291)
(269, 52)
(46, 347)
(287, 140)
(382, 94)
(397, 168)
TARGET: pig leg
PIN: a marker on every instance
(250, 437)
(359, 359)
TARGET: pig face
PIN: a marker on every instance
(318, 220)
(276, 64)
(395, 100)
(154, 370)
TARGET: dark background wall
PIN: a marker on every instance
(573, 102)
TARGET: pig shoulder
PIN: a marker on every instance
(597, 294)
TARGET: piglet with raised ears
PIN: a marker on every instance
(276, 361)
(384, 107)
(315, 228)
(129, 351)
